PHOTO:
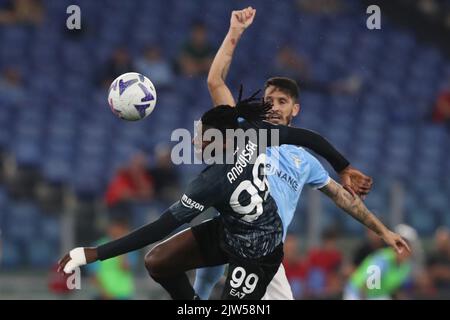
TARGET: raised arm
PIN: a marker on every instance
(353, 180)
(218, 90)
(356, 208)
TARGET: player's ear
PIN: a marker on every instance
(296, 109)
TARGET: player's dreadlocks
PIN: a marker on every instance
(225, 117)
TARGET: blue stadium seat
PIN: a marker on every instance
(4, 204)
(424, 220)
(12, 254)
(42, 253)
(28, 153)
(56, 170)
(20, 221)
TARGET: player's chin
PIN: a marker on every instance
(279, 119)
(276, 120)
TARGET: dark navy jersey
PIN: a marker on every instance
(252, 226)
(239, 191)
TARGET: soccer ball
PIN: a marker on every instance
(132, 96)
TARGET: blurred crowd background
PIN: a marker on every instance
(73, 174)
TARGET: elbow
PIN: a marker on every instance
(214, 82)
(155, 262)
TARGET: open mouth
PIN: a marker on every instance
(274, 117)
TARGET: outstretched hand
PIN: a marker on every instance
(76, 258)
(396, 241)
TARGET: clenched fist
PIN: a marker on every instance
(241, 19)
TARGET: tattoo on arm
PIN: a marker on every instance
(353, 206)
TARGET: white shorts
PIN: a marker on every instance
(279, 288)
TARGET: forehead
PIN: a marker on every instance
(275, 93)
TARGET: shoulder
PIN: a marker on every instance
(300, 153)
(310, 159)
(210, 176)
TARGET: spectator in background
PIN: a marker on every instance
(447, 17)
(165, 175)
(324, 263)
(295, 266)
(395, 271)
(327, 7)
(131, 183)
(196, 54)
(119, 63)
(152, 65)
(26, 12)
(394, 268)
(370, 245)
(362, 251)
(1, 247)
(441, 112)
(428, 7)
(113, 278)
(11, 86)
(439, 263)
(291, 64)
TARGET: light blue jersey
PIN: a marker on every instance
(289, 168)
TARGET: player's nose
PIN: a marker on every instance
(275, 106)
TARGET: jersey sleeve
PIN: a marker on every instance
(318, 177)
(308, 139)
(200, 194)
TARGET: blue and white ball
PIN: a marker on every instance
(132, 96)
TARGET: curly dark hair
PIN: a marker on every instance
(225, 117)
